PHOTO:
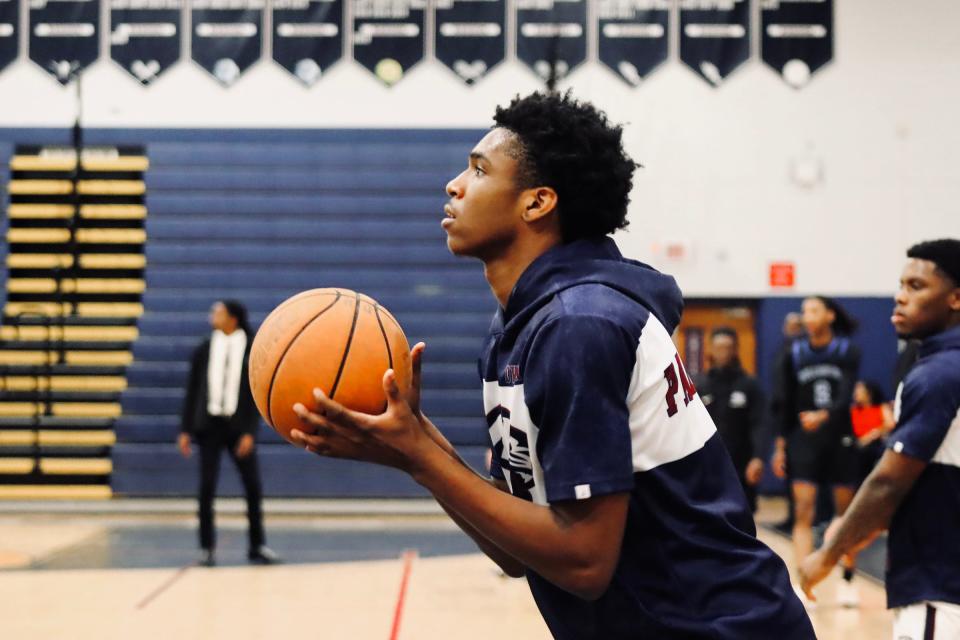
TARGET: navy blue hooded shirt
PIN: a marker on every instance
(923, 546)
(586, 395)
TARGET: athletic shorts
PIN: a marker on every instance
(823, 458)
(927, 621)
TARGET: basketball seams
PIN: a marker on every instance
(383, 332)
(346, 349)
(273, 376)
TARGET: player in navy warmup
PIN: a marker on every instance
(611, 490)
(816, 436)
(914, 491)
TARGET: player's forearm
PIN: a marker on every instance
(506, 562)
(870, 512)
(536, 536)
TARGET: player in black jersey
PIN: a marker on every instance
(816, 438)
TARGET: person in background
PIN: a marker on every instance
(219, 414)
(792, 329)
(872, 420)
(736, 404)
(816, 439)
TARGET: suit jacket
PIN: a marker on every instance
(195, 416)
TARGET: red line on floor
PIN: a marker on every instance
(408, 557)
(163, 587)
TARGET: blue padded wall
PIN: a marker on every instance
(259, 215)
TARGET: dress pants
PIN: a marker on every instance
(212, 442)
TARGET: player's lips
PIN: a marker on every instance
(447, 209)
(897, 317)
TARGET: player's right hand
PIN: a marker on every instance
(778, 464)
(183, 443)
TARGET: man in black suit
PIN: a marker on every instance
(219, 413)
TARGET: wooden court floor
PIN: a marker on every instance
(392, 595)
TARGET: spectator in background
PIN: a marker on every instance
(219, 413)
(816, 438)
(736, 404)
(792, 329)
(872, 420)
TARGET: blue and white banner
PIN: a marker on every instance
(307, 36)
(470, 36)
(796, 37)
(227, 36)
(145, 36)
(714, 37)
(552, 36)
(633, 36)
(9, 31)
(64, 36)
(388, 36)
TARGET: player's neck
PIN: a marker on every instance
(821, 339)
(503, 272)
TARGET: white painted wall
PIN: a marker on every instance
(879, 123)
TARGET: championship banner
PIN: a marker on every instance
(226, 36)
(307, 38)
(797, 37)
(388, 36)
(470, 36)
(9, 20)
(63, 36)
(714, 36)
(145, 36)
(633, 36)
(552, 36)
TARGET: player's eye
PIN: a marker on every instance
(478, 171)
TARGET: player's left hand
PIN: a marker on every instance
(814, 568)
(396, 438)
(753, 472)
(813, 420)
(244, 446)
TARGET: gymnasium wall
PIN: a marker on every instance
(837, 177)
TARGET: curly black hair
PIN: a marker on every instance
(945, 253)
(572, 147)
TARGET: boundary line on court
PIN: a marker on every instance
(408, 557)
(153, 595)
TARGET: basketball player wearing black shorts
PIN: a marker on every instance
(914, 491)
(816, 439)
(610, 489)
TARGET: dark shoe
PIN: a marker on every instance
(207, 558)
(263, 555)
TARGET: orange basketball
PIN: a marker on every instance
(334, 339)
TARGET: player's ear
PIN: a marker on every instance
(540, 201)
(953, 299)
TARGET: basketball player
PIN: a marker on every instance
(611, 490)
(816, 437)
(915, 489)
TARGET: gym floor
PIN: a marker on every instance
(415, 577)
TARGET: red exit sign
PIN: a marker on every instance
(783, 275)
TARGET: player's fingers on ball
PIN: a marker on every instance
(330, 409)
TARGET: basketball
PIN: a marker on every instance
(337, 340)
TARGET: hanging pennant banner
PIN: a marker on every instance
(552, 36)
(9, 20)
(145, 36)
(714, 36)
(388, 36)
(471, 36)
(226, 36)
(797, 37)
(633, 36)
(63, 36)
(307, 38)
